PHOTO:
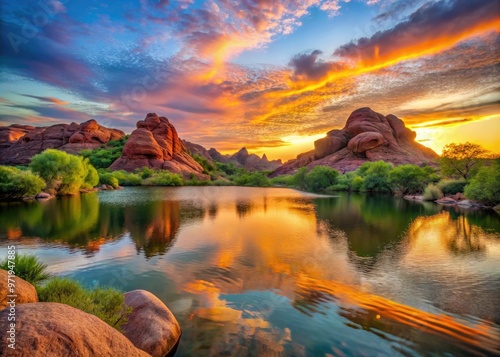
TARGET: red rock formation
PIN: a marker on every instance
(155, 144)
(367, 136)
(17, 149)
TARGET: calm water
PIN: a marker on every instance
(276, 272)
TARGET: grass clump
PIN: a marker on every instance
(432, 193)
(27, 267)
(108, 304)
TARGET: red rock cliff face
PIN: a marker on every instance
(367, 136)
(155, 144)
(19, 143)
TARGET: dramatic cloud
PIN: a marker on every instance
(433, 62)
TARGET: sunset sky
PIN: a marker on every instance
(270, 75)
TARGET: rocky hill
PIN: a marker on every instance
(242, 158)
(367, 136)
(155, 144)
(19, 143)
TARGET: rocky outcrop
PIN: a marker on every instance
(155, 144)
(242, 158)
(151, 326)
(25, 292)
(17, 149)
(367, 136)
(53, 329)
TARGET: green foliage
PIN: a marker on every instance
(27, 267)
(256, 178)
(411, 179)
(228, 169)
(375, 176)
(127, 178)
(106, 303)
(108, 178)
(15, 183)
(357, 184)
(145, 172)
(319, 178)
(450, 187)
(485, 186)
(207, 166)
(284, 180)
(64, 173)
(164, 178)
(299, 179)
(104, 156)
(92, 178)
(432, 193)
(462, 160)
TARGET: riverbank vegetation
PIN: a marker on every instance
(106, 303)
(463, 168)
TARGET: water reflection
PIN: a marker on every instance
(248, 270)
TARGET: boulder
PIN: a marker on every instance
(72, 138)
(465, 203)
(367, 136)
(414, 197)
(53, 329)
(44, 196)
(155, 144)
(151, 326)
(25, 292)
(458, 196)
(446, 201)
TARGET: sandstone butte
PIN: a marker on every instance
(155, 144)
(19, 143)
(367, 136)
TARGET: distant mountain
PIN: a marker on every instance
(19, 143)
(242, 158)
(367, 136)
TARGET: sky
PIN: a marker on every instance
(272, 76)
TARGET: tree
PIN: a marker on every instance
(320, 178)
(299, 178)
(485, 186)
(15, 183)
(464, 159)
(64, 173)
(411, 179)
(375, 176)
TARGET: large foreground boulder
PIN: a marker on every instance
(53, 329)
(17, 149)
(151, 326)
(25, 291)
(155, 144)
(366, 136)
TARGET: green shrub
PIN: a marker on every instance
(320, 177)
(411, 179)
(27, 267)
(299, 179)
(127, 178)
(64, 173)
(228, 169)
(357, 184)
(104, 156)
(450, 187)
(107, 178)
(375, 176)
(207, 166)
(92, 178)
(284, 180)
(15, 183)
(256, 178)
(145, 172)
(485, 186)
(164, 178)
(432, 193)
(106, 303)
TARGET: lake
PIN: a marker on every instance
(278, 272)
